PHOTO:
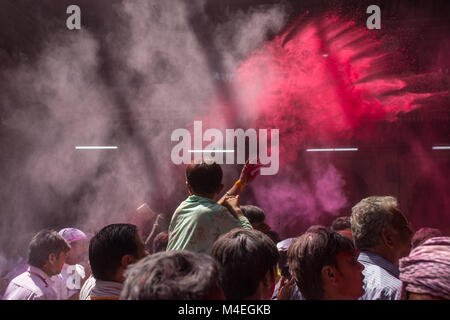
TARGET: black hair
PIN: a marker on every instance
(245, 257)
(274, 236)
(253, 213)
(204, 178)
(108, 246)
(341, 223)
(44, 243)
(171, 275)
(308, 254)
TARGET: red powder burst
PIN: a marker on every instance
(318, 80)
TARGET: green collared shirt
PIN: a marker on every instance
(198, 222)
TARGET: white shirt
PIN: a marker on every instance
(18, 270)
(87, 288)
(68, 282)
(33, 284)
(99, 289)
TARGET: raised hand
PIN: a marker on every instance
(232, 204)
(250, 172)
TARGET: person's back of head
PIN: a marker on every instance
(248, 259)
(341, 223)
(274, 236)
(45, 250)
(173, 275)
(257, 217)
(324, 266)
(425, 273)
(379, 226)
(112, 249)
(160, 242)
(254, 214)
(423, 234)
(204, 179)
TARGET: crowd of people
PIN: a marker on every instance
(216, 249)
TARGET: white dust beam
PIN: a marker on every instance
(332, 149)
(95, 147)
(211, 151)
(441, 148)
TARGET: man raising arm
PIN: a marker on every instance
(200, 220)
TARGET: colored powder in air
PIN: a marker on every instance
(317, 82)
(320, 81)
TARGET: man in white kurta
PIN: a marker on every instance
(46, 256)
(33, 284)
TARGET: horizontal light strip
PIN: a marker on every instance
(94, 147)
(332, 149)
(211, 150)
(142, 206)
(441, 148)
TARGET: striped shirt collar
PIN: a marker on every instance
(373, 258)
(106, 289)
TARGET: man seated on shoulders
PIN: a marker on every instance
(200, 220)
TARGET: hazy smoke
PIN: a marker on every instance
(52, 105)
(158, 66)
(320, 81)
(131, 86)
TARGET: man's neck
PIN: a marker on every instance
(118, 277)
(330, 295)
(207, 196)
(47, 271)
(255, 296)
(384, 253)
(260, 293)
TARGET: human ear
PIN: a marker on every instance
(328, 274)
(387, 236)
(220, 188)
(189, 188)
(127, 260)
(52, 258)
